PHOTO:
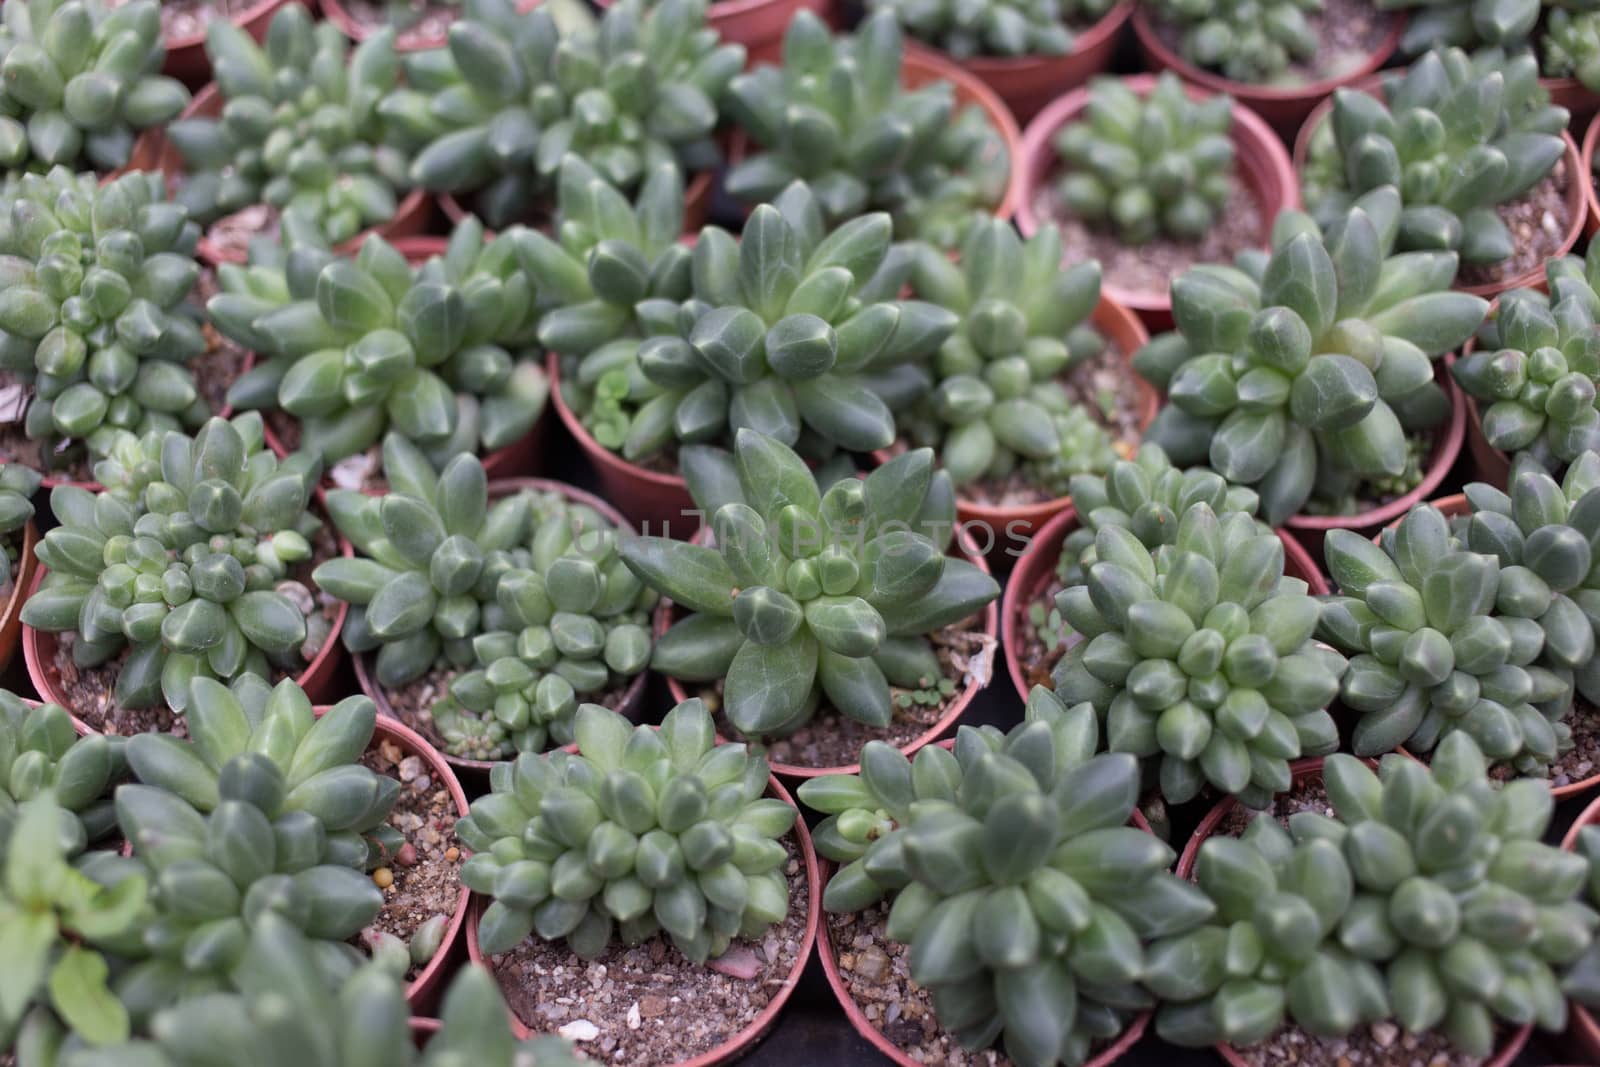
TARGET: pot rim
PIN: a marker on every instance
(21, 589)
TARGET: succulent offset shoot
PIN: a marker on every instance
(96, 278)
(809, 597)
(1427, 898)
(836, 117)
(439, 353)
(1006, 28)
(1305, 375)
(1023, 893)
(17, 486)
(1258, 43)
(184, 561)
(41, 752)
(998, 403)
(641, 831)
(1535, 368)
(299, 129)
(512, 95)
(78, 82)
(1457, 136)
(1446, 639)
(1161, 165)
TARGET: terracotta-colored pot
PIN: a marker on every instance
(1582, 1029)
(1579, 192)
(1262, 164)
(1283, 106)
(154, 151)
(11, 616)
(1307, 770)
(1311, 529)
(1037, 568)
(1591, 137)
(39, 652)
(1003, 532)
(475, 770)
(411, 40)
(1028, 83)
(186, 56)
(964, 548)
(742, 1042)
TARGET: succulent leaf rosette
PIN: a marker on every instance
(1006, 28)
(1426, 898)
(299, 128)
(78, 81)
(1257, 42)
(41, 752)
(998, 404)
(1456, 135)
(1536, 366)
(1151, 166)
(184, 562)
(439, 352)
(1478, 24)
(809, 596)
(836, 116)
(639, 832)
(1571, 44)
(1303, 376)
(512, 95)
(93, 309)
(1025, 897)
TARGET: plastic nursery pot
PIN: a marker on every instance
(11, 616)
(39, 652)
(476, 770)
(1028, 83)
(666, 615)
(1591, 137)
(1003, 531)
(1262, 164)
(1582, 1028)
(1579, 193)
(746, 1039)
(186, 55)
(1036, 569)
(154, 151)
(1282, 106)
(1446, 446)
(696, 202)
(1307, 770)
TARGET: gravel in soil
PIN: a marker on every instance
(647, 1004)
(420, 25)
(189, 18)
(1347, 33)
(1577, 763)
(426, 872)
(1538, 223)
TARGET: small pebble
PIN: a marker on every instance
(383, 878)
(452, 854)
(579, 1030)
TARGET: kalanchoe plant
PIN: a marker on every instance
(1427, 898)
(1445, 639)
(1245, 40)
(299, 128)
(1305, 374)
(41, 752)
(1025, 896)
(1457, 136)
(184, 562)
(1008, 28)
(96, 279)
(809, 596)
(17, 486)
(998, 401)
(641, 831)
(1151, 166)
(836, 116)
(1535, 367)
(1200, 652)
(512, 95)
(78, 81)
(437, 352)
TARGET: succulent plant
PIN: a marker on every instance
(1023, 324)
(17, 486)
(186, 565)
(1305, 374)
(836, 116)
(1571, 41)
(78, 80)
(1023, 893)
(1475, 24)
(1427, 897)
(1581, 979)
(1445, 639)
(299, 128)
(1200, 652)
(1009, 28)
(512, 95)
(438, 352)
(1151, 166)
(93, 311)
(638, 832)
(1251, 41)
(1536, 365)
(41, 752)
(1457, 136)
(809, 596)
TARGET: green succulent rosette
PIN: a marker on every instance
(1003, 28)
(41, 753)
(1258, 42)
(1478, 24)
